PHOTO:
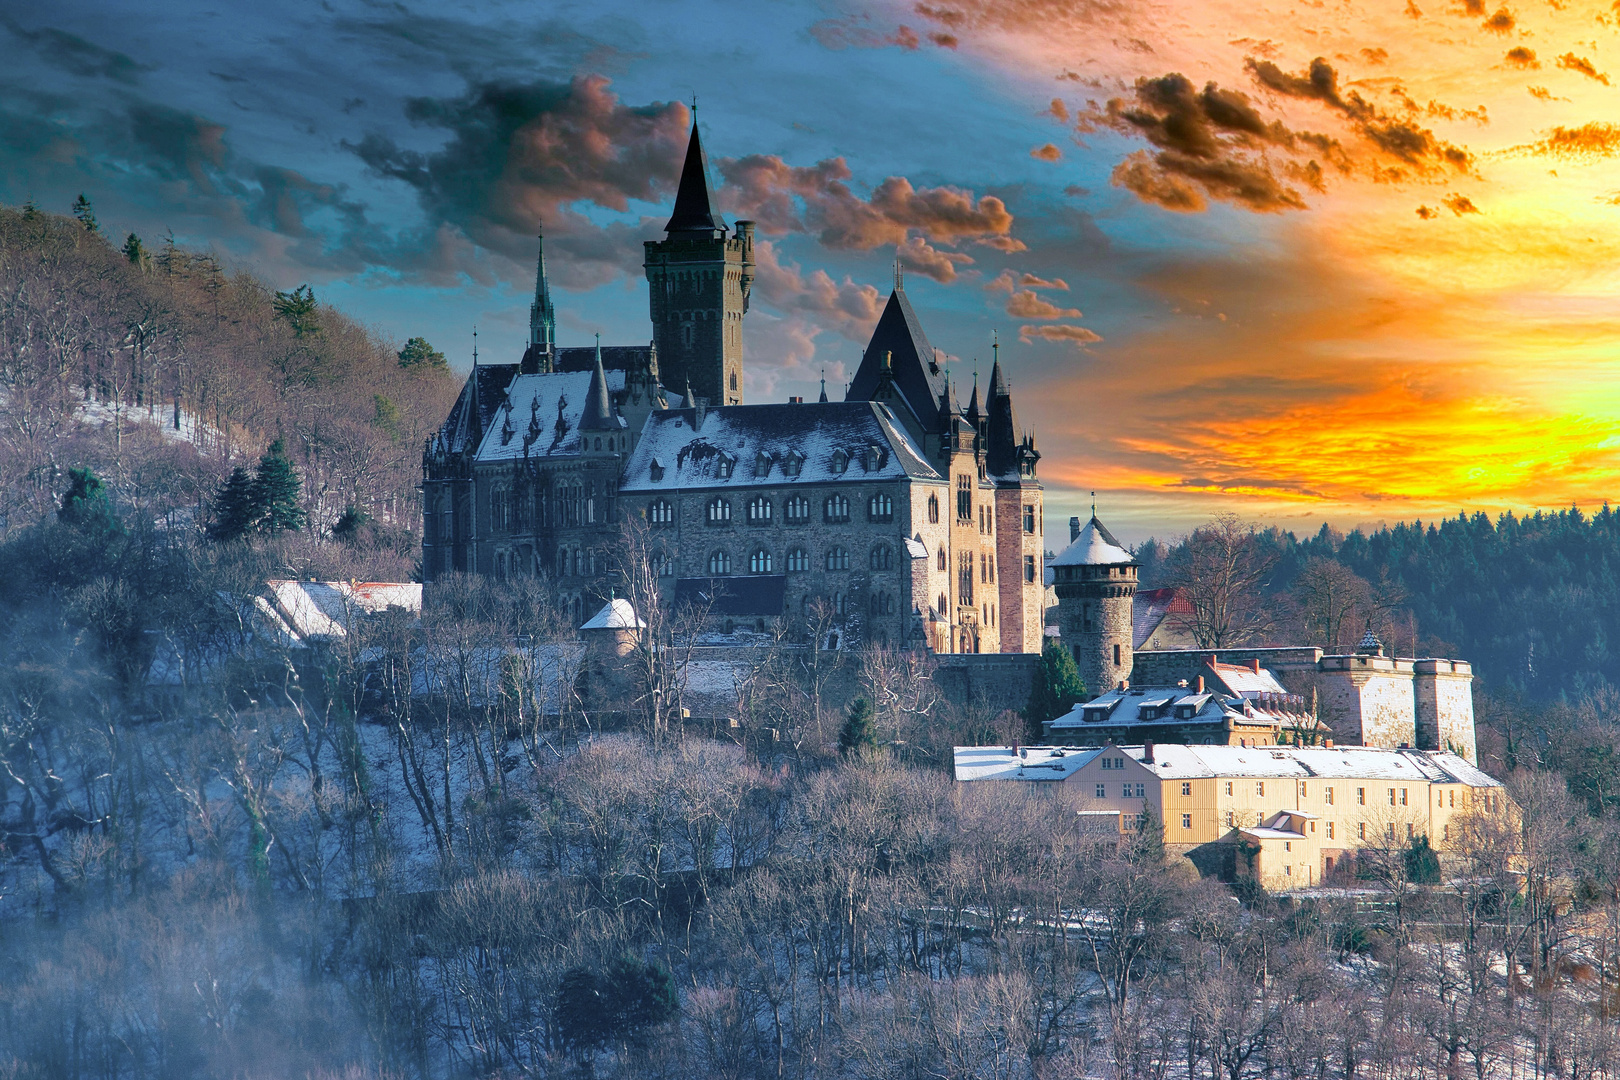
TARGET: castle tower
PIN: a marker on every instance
(699, 282)
(1095, 580)
(542, 348)
(1010, 462)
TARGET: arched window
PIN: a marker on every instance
(940, 559)
(661, 512)
(760, 562)
(882, 603)
(840, 604)
(840, 461)
(964, 497)
(944, 606)
(792, 465)
(836, 509)
(880, 508)
(718, 512)
(882, 557)
(720, 564)
(499, 501)
(663, 564)
(838, 558)
(798, 560)
(759, 510)
(723, 468)
(933, 509)
(796, 510)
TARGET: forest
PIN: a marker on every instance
(401, 855)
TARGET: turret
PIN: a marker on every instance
(538, 357)
(1095, 581)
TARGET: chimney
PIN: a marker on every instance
(1328, 743)
(1147, 752)
(1074, 529)
(1200, 684)
(1255, 664)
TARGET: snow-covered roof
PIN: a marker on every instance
(1033, 763)
(1149, 608)
(541, 416)
(1263, 832)
(745, 446)
(1095, 546)
(916, 548)
(1247, 681)
(324, 609)
(616, 614)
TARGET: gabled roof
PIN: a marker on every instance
(732, 437)
(916, 372)
(694, 206)
(1030, 763)
(541, 416)
(1150, 607)
(618, 614)
(1095, 546)
(462, 428)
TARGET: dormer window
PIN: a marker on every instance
(874, 458)
(762, 464)
(656, 471)
(792, 465)
(723, 468)
(840, 461)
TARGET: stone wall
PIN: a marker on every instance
(1166, 667)
(988, 680)
(1445, 706)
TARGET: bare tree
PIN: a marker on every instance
(1221, 569)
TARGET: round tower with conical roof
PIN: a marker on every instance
(1095, 581)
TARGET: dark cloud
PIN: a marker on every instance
(1500, 23)
(818, 199)
(179, 145)
(1210, 143)
(1459, 204)
(1375, 56)
(1582, 66)
(1404, 147)
(1589, 142)
(518, 152)
(75, 55)
(1519, 56)
(1427, 212)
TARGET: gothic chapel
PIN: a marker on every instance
(909, 519)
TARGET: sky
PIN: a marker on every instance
(1350, 261)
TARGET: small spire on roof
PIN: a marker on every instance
(1094, 504)
(899, 274)
(823, 385)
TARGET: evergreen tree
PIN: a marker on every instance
(1147, 846)
(349, 525)
(236, 511)
(1058, 688)
(275, 492)
(418, 353)
(134, 251)
(859, 733)
(595, 1009)
(299, 309)
(85, 213)
(85, 505)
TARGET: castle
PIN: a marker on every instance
(910, 519)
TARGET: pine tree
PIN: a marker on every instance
(85, 213)
(299, 309)
(418, 353)
(275, 492)
(859, 734)
(1058, 688)
(135, 252)
(85, 505)
(235, 510)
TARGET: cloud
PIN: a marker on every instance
(1459, 204)
(1058, 111)
(1427, 212)
(1026, 304)
(1589, 142)
(1048, 152)
(857, 32)
(850, 308)
(1394, 139)
(1500, 23)
(1075, 335)
(519, 152)
(917, 255)
(1007, 281)
(818, 199)
(1210, 143)
(75, 55)
(1581, 65)
(1519, 56)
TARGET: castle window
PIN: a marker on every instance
(840, 604)
(1029, 519)
(599, 442)
(661, 512)
(796, 510)
(1029, 568)
(498, 503)
(882, 557)
(720, 564)
(964, 498)
(759, 511)
(838, 558)
(840, 461)
(933, 510)
(723, 467)
(798, 561)
(656, 470)
(762, 464)
(1116, 655)
(964, 578)
(836, 509)
(874, 458)
(984, 567)
(880, 508)
(663, 564)
(944, 605)
(760, 562)
(718, 512)
(792, 465)
(734, 380)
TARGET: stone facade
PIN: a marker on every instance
(1095, 579)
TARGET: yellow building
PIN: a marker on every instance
(1284, 815)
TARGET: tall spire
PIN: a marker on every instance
(542, 317)
(694, 206)
(823, 384)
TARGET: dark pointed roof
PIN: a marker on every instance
(1001, 455)
(599, 414)
(917, 375)
(694, 206)
(973, 411)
